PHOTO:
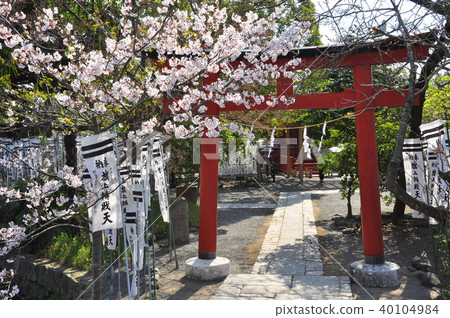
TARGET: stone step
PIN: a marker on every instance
(284, 287)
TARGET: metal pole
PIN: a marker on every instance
(152, 229)
(119, 294)
(138, 234)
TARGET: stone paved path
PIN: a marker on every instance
(289, 265)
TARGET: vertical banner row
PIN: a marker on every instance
(434, 134)
(422, 176)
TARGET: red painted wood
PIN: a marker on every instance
(284, 86)
(209, 167)
(368, 170)
(330, 60)
(345, 99)
(209, 178)
(349, 98)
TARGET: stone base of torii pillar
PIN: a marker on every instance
(376, 275)
(202, 269)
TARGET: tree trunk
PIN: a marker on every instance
(70, 147)
(349, 208)
(349, 201)
(399, 207)
(434, 59)
(395, 164)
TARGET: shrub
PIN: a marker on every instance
(71, 251)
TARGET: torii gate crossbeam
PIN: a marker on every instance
(363, 97)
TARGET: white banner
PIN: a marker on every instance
(414, 171)
(133, 238)
(100, 160)
(134, 284)
(160, 179)
(138, 197)
(131, 229)
(127, 193)
(111, 239)
(435, 135)
(144, 162)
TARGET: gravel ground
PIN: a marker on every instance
(240, 233)
(402, 243)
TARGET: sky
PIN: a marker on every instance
(418, 19)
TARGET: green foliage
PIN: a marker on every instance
(73, 251)
(437, 100)
(390, 76)
(445, 292)
(345, 164)
(387, 122)
(181, 158)
(331, 80)
(441, 255)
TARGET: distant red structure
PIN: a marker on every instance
(293, 165)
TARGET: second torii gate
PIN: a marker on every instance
(364, 97)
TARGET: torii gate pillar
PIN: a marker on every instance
(368, 169)
(207, 266)
(373, 270)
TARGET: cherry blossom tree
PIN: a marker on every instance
(77, 67)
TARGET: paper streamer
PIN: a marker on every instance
(272, 140)
(324, 132)
(306, 148)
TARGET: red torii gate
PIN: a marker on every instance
(364, 97)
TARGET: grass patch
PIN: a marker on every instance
(71, 251)
(194, 213)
